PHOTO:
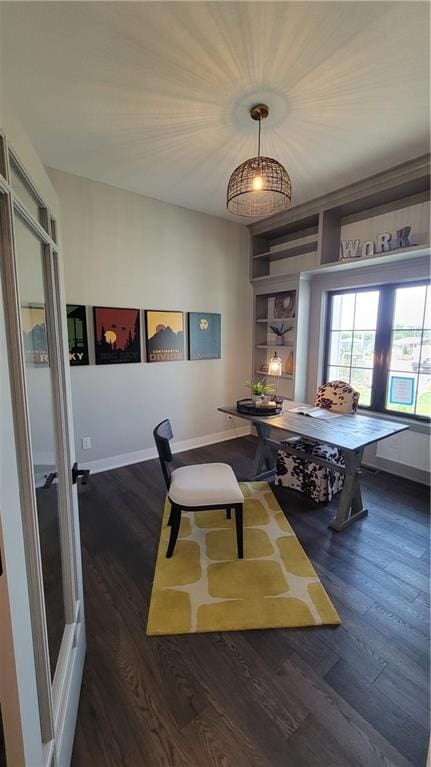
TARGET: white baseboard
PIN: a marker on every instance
(116, 461)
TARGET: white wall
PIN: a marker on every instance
(123, 249)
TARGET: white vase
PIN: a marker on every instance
(256, 397)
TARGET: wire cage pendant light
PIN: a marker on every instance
(259, 186)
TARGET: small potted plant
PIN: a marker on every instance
(279, 332)
(259, 390)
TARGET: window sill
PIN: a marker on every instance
(423, 427)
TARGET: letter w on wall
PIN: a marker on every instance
(349, 248)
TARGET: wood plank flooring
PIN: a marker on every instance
(356, 695)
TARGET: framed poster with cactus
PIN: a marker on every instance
(77, 334)
(204, 336)
(165, 336)
(117, 335)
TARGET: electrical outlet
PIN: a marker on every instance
(86, 443)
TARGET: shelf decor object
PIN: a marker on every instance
(275, 366)
(259, 186)
(248, 407)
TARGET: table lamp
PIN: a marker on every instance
(275, 370)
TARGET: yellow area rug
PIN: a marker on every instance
(204, 587)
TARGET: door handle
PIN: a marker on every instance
(76, 472)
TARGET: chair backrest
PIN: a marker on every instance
(162, 434)
(338, 396)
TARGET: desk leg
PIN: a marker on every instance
(350, 506)
(264, 463)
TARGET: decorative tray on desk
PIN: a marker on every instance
(248, 407)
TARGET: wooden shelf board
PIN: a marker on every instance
(283, 375)
(298, 247)
(377, 258)
(276, 319)
(272, 277)
(274, 346)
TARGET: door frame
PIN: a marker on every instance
(57, 702)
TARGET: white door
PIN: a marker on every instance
(42, 639)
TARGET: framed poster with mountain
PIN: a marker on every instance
(204, 336)
(35, 339)
(165, 336)
(117, 335)
(77, 334)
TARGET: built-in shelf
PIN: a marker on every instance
(270, 277)
(377, 259)
(289, 249)
(268, 375)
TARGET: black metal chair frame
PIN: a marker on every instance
(162, 435)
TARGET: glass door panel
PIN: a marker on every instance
(36, 344)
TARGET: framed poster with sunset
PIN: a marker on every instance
(204, 336)
(117, 336)
(165, 336)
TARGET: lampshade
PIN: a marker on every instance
(259, 186)
(275, 365)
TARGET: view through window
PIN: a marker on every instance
(379, 340)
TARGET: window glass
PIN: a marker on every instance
(26, 195)
(40, 397)
(396, 321)
(340, 349)
(409, 307)
(366, 306)
(361, 380)
(352, 339)
(427, 321)
(409, 375)
(343, 306)
(423, 403)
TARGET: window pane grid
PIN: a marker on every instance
(352, 340)
(354, 356)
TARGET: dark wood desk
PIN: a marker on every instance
(350, 433)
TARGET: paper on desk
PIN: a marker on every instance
(315, 412)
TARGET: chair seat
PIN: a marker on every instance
(207, 484)
(319, 449)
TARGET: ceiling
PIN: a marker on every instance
(154, 96)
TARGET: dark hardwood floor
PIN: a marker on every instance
(353, 695)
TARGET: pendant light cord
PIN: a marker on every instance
(258, 140)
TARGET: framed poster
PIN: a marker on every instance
(282, 305)
(35, 338)
(402, 390)
(204, 336)
(165, 336)
(77, 334)
(117, 335)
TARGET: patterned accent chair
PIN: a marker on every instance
(317, 482)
